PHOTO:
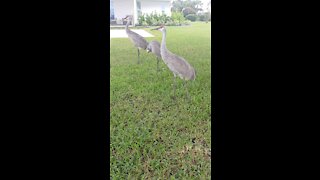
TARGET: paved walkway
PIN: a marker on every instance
(121, 33)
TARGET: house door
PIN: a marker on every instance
(111, 10)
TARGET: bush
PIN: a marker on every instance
(171, 23)
(144, 24)
(208, 16)
(148, 19)
(163, 19)
(155, 19)
(191, 17)
(177, 17)
(186, 22)
(186, 11)
(141, 19)
(202, 17)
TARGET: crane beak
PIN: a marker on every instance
(158, 27)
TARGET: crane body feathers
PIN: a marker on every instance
(178, 65)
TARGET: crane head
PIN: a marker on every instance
(148, 48)
(127, 17)
(161, 28)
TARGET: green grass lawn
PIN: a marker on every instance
(153, 136)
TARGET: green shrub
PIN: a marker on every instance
(144, 23)
(208, 16)
(191, 17)
(156, 19)
(164, 18)
(141, 19)
(148, 19)
(154, 16)
(202, 17)
(188, 10)
(170, 23)
(186, 22)
(177, 17)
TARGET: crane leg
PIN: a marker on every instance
(174, 86)
(138, 56)
(185, 84)
(157, 64)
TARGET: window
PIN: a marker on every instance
(162, 9)
(139, 8)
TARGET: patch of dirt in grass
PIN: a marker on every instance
(196, 150)
(190, 160)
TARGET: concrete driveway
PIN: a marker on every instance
(121, 33)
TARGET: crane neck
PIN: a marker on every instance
(127, 25)
(163, 43)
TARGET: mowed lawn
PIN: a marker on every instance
(153, 136)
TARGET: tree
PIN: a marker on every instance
(209, 6)
(186, 11)
(195, 4)
(208, 13)
(178, 5)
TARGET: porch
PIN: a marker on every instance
(118, 22)
(120, 9)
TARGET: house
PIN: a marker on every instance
(121, 8)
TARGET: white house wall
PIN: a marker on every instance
(123, 8)
(148, 6)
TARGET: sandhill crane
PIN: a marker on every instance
(179, 66)
(154, 47)
(136, 39)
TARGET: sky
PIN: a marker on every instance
(204, 4)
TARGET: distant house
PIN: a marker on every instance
(121, 8)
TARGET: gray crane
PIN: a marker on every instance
(136, 39)
(154, 47)
(179, 66)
